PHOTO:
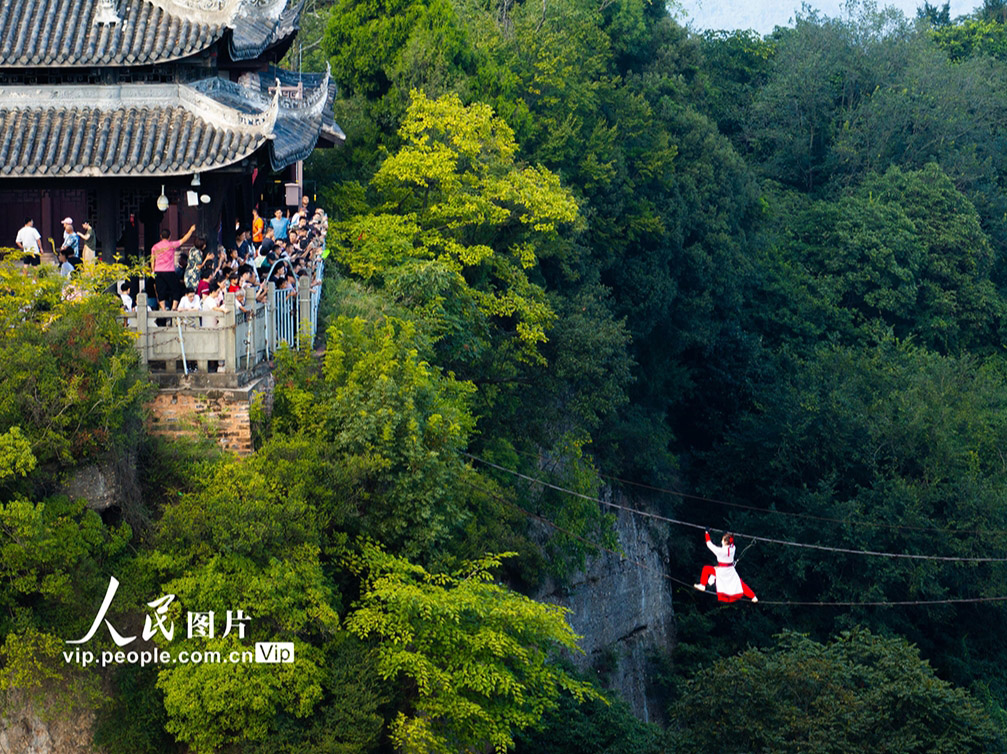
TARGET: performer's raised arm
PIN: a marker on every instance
(722, 553)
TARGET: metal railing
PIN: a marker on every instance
(226, 348)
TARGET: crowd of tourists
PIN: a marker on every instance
(77, 247)
(197, 277)
(192, 274)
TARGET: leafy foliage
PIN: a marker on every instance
(476, 655)
(859, 692)
(249, 540)
(592, 727)
(70, 373)
(386, 426)
(904, 251)
(455, 227)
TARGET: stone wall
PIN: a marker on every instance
(220, 413)
(623, 610)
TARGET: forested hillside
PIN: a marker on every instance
(763, 277)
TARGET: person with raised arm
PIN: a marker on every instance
(730, 587)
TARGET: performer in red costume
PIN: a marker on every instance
(730, 587)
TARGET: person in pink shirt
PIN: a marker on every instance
(162, 261)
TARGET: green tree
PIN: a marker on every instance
(70, 371)
(972, 38)
(901, 443)
(247, 540)
(53, 556)
(904, 251)
(592, 727)
(859, 692)
(387, 428)
(820, 73)
(457, 224)
(72, 392)
(475, 656)
(936, 16)
(381, 47)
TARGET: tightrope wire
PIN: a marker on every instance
(771, 540)
(689, 587)
(792, 514)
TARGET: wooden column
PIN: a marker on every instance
(228, 211)
(106, 224)
(209, 214)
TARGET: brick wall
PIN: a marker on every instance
(222, 414)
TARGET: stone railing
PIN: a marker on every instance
(226, 348)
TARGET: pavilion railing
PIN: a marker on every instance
(225, 348)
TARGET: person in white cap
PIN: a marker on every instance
(71, 241)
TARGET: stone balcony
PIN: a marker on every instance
(225, 349)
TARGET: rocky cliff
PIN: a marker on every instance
(25, 728)
(622, 606)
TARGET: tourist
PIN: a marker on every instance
(87, 244)
(189, 302)
(245, 248)
(213, 301)
(71, 241)
(162, 260)
(307, 206)
(190, 278)
(65, 267)
(127, 300)
(30, 242)
(279, 224)
(257, 225)
(203, 286)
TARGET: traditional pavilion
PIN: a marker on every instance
(105, 105)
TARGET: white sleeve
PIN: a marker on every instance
(720, 552)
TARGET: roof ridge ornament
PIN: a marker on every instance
(272, 9)
(202, 104)
(222, 11)
(106, 14)
(212, 12)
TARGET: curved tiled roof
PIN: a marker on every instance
(305, 112)
(73, 33)
(153, 130)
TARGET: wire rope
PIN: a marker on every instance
(771, 540)
(793, 514)
(768, 603)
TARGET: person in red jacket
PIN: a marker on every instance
(730, 587)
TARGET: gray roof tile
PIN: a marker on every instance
(141, 130)
(70, 33)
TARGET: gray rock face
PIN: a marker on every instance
(24, 731)
(623, 609)
(105, 484)
(95, 483)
